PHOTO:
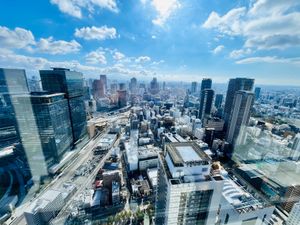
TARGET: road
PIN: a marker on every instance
(81, 158)
(84, 184)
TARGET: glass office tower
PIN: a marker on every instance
(235, 85)
(45, 128)
(60, 80)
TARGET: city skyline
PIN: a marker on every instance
(149, 38)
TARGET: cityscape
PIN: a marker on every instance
(135, 144)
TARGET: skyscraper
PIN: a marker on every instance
(218, 100)
(45, 128)
(194, 87)
(234, 86)
(122, 95)
(239, 116)
(133, 85)
(12, 82)
(98, 89)
(103, 79)
(154, 86)
(294, 216)
(206, 84)
(257, 92)
(206, 100)
(60, 80)
(186, 193)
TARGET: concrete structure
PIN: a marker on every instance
(294, 217)
(148, 158)
(186, 193)
(239, 207)
(45, 208)
(295, 153)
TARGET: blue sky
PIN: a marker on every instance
(181, 40)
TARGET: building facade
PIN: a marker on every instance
(239, 116)
(186, 193)
(235, 85)
(60, 80)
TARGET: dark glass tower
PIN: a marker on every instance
(194, 87)
(206, 84)
(206, 100)
(257, 92)
(235, 85)
(218, 100)
(239, 116)
(12, 82)
(45, 128)
(60, 80)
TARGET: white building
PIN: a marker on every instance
(186, 193)
(294, 217)
(295, 153)
(239, 207)
(148, 158)
(42, 210)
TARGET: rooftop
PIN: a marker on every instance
(188, 153)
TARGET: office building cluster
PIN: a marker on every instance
(148, 151)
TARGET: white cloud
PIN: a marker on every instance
(218, 49)
(164, 8)
(17, 38)
(153, 37)
(228, 24)
(20, 38)
(269, 59)
(96, 33)
(267, 24)
(33, 64)
(143, 59)
(96, 57)
(155, 63)
(235, 54)
(74, 7)
(50, 46)
(118, 56)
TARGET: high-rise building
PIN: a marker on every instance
(60, 80)
(206, 84)
(186, 193)
(235, 85)
(34, 84)
(194, 87)
(239, 116)
(154, 86)
(295, 153)
(122, 95)
(294, 216)
(98, 89)
(12, 82)
(218, 101)
(257, 92)
(45, 128)
(133, 85)
(206, 100)
(103, 79)
(42, 210)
